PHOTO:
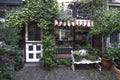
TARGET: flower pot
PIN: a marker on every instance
(117, 71)
(106, 64)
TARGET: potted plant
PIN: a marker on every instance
(106, 59)
(116, 60)
(109, 56)
(93, 53)
(76, 55)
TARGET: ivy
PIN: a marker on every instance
(107, 22)
(43, 12)
(92, 6)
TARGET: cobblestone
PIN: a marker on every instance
(63, 73)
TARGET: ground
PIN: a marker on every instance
(35, 72)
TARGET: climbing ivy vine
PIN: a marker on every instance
(43, 12)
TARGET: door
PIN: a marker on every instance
(33, 52)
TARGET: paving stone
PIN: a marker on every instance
(63, 73)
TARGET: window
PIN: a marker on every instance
(31, 55)
(30, 48)
(37, 55)
(82, 14)
(67, 11)
(114, 38)
(34, 32)
(115, 7)
(38, 48)
(63, 38)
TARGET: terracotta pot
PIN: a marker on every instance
(117, 71)
(106, 64)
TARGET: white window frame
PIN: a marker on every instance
(108, 43)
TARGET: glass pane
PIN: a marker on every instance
(63, 38)
(30, 48)
(34, 32)
(30, 55)
(37, 55)
(114, 38)
(38, 48)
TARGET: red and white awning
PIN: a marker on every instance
(78, 22)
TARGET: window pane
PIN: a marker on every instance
(34, 32)
(30, 55)
(30, 48)
(38, 48)
(63, 38)
(114, 38)
(37, 55)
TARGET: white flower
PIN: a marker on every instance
(83, 52)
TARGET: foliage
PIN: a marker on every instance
(6, 32)
(92, 6)
(9, 51)
(9, 58)
(63, 62)
(93, 53)
(107, 22)
(48, 50)
(64, 17)
(92, 50)
(113, 53)
(43, 12)
(90, 53)
(5, 74)
(12, 54)
(76, 53)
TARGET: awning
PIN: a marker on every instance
(76, 23)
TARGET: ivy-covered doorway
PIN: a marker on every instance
(33, 46)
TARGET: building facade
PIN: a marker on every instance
(71, 33)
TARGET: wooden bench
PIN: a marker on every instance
(84, 61)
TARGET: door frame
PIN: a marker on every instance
(31, 42)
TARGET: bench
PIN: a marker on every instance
(84, 61)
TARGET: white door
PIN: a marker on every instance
(33, 52)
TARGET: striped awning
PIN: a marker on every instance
(78, 23)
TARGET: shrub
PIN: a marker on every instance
(63, 62)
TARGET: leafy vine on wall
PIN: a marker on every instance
(44, 12)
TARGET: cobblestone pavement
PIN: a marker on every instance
(63, 73)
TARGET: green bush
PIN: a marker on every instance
(48, 56)
(12, 53)
(93, 53)
(64, 62)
